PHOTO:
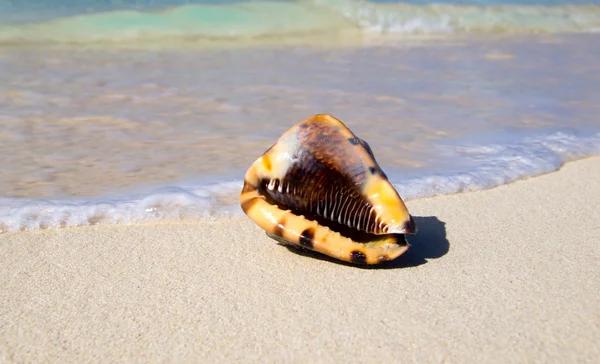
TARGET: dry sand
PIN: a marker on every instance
(505, 275)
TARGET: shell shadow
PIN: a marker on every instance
(429, 243)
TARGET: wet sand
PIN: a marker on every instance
(503, 275)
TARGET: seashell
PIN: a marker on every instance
(320, 188)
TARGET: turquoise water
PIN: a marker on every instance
(125, 21)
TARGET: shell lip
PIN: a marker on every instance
(408, 227)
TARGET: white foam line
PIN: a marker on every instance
(482, 166)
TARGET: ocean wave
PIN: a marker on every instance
(270, 19)
(482, 166)
(465, 18)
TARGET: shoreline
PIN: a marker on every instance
(158, 203)
(165, 203)
(503, 274)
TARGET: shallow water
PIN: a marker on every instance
(118, 135)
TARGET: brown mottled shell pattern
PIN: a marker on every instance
(320, 188)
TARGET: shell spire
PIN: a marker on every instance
(319, 187)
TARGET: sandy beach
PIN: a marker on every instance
(503, 275)
(126, 128)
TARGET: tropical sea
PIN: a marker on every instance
(123, 111)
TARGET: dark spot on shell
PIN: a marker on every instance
(307, 238)
(247, 205)
(278, 231)
(358, 257)
(373, 170)
(354, 141)
(248, 187)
